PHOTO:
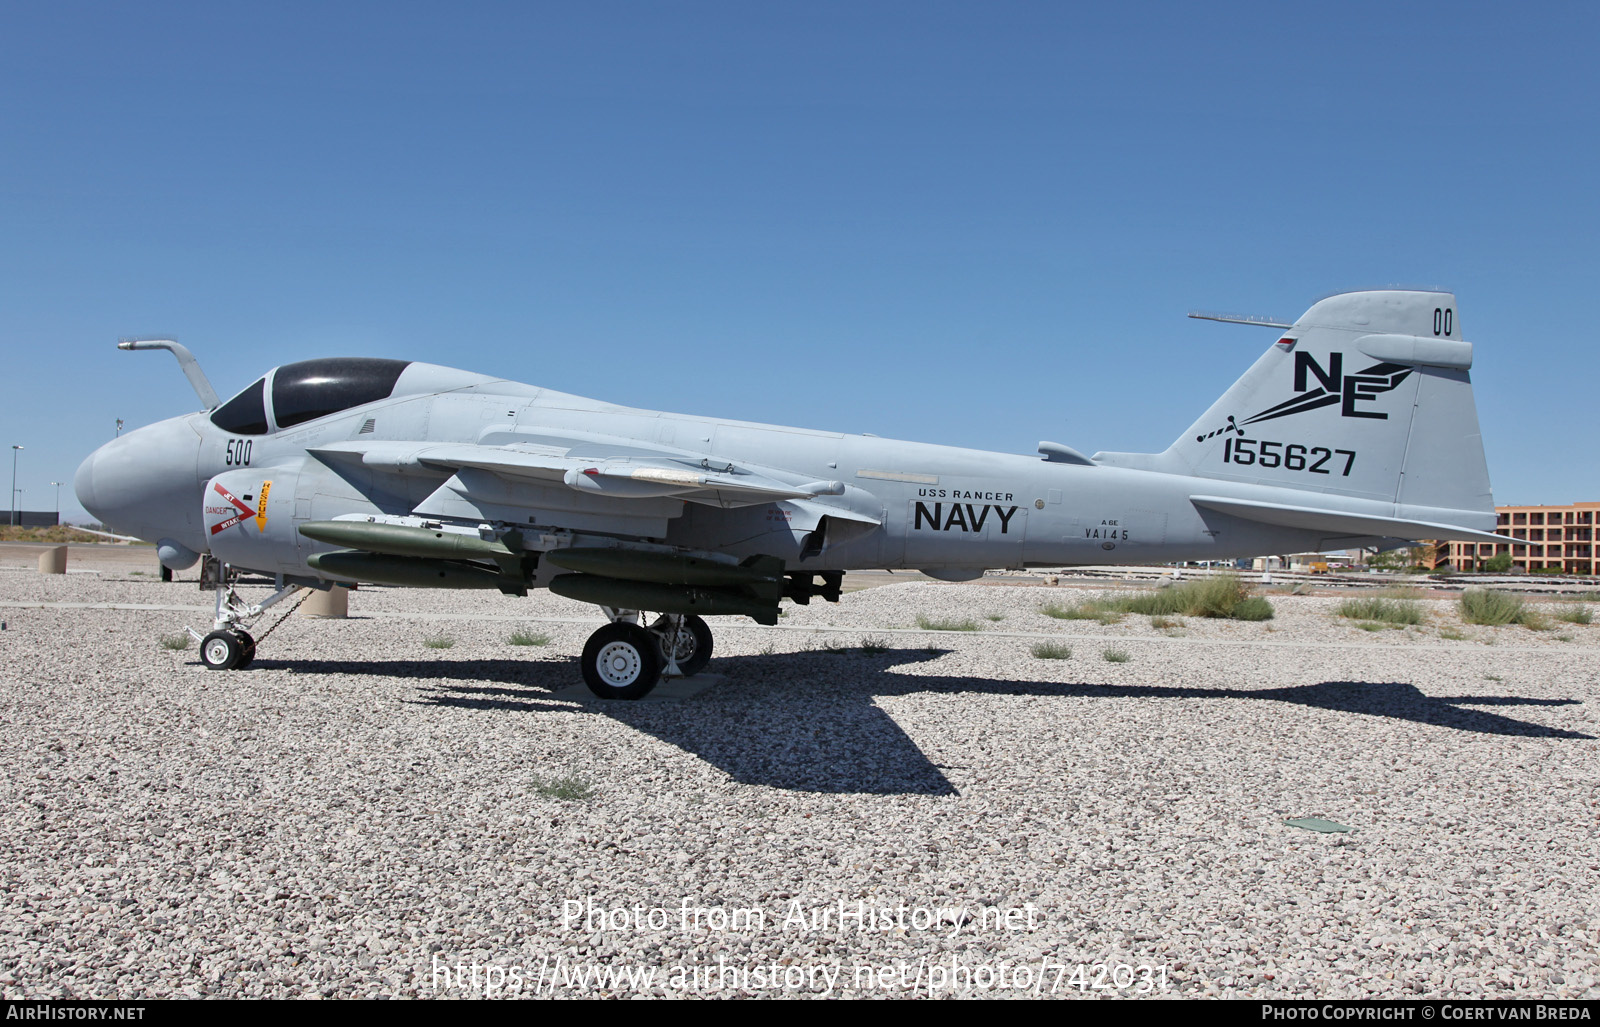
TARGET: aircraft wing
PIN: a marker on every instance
(104, 534)
(627, 473)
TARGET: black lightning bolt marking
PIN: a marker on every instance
(1321, 397)
(1230, 426)
(1318, 397)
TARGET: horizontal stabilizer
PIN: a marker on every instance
(1344, 523)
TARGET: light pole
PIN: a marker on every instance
(57, 484)
(14, 485)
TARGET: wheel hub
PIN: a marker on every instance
(619, 664)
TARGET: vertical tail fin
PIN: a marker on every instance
(1366, 395)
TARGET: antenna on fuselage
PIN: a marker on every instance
(191, 366)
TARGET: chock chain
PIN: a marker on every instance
(304, 595)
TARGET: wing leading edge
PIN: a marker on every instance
(630, 476)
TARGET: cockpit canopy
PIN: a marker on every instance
(307, 390)
(246, 413)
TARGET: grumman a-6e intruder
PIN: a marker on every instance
(1356, 428)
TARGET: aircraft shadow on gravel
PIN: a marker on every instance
(810, 723)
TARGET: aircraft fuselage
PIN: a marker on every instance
(935, 507)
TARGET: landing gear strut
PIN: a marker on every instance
(229, 646)
(624, 660)
(686, 642)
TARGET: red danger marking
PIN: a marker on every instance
(244, 511)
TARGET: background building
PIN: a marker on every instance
(1558, 538)
(29, 518)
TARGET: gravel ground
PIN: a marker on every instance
(360, 814)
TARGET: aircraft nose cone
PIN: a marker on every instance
(146, 483)
(83, 486)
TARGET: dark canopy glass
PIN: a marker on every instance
(315, 388)
(246, 413)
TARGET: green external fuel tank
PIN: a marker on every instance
(404, 571)
(663, 598)
(404, 540)
(661, 568)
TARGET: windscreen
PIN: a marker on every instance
(315, 388)
(246, 413)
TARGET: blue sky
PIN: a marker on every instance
(974, 224)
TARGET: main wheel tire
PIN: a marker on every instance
(621, 661)
(694, 643)
(220, 650)
(247, 650)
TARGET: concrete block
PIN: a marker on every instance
(333, 603)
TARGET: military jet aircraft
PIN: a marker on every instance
(1355, 428)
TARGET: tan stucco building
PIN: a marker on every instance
(1558, 537)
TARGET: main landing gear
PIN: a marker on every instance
(229, 646)
(624, 660)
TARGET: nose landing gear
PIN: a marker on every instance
(229, 646)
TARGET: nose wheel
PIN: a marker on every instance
(227, 650)
(247, 650)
